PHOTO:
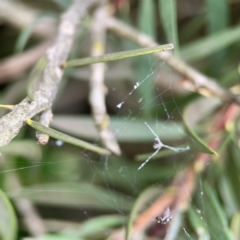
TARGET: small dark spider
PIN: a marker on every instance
(166, 217)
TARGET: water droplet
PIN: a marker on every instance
(59, 143)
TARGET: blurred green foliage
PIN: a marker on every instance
(81, 195)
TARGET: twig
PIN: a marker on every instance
(45, 119)
(199, 80)
(97, 87)
(11, 123)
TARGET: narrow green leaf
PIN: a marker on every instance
(235, 225)
(214, 215)
(24, 148)
(198, 224)
(227, 193)
(72, 194)
(146, 18)
(135, 131)
(207, 46)
(24, 36)
(66, 138)
(168, 11)
(55, 237)
(189, 30)
(232, 168)
(196, 143)
(215, 9)
(97, 224)
(147, 25)
(116, 56)
(35, 77)
(8, 222)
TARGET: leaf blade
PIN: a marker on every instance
(66, 138)
(168, 11)
(116, 56)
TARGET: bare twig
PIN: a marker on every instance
(11, 123)
(45, 119)
(199, 80)
(97, 87)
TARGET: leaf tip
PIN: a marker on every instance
(9, 107)
(29, 121)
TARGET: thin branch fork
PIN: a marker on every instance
(11, 123)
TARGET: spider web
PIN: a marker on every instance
(94, 185)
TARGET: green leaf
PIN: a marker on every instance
(191, 28)
(72, 194)
(228, 193)
(196, 143)
(35, 77)
(207, 46)
(134, 131)
(8, 222)
(24, 36)
(147, 18)
(191, 116)
(98, 224)
(235, 226)
(56, 237)
(198, 224)
(168, 11)
(146, 24)
(116, 56)
(24, 148)
(214, 215)
(232, 168)
(66, 138)
(214, 10)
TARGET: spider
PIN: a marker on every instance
(166, 217)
